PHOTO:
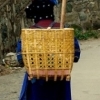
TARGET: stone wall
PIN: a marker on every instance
(85, 13)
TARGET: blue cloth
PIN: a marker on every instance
(54, 1)
(24, 88)
(42, 90)
(18, 51)
(77, 50)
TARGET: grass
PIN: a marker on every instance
(79, 34)
(85, 35)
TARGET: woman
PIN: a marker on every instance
(37, 89)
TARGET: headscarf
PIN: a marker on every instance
(54, 1)
(40, 9)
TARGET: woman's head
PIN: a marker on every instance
(40, 9)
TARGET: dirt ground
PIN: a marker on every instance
(86, 73)
(85, 81)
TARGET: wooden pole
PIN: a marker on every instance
(63, 12)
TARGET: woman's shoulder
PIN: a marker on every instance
(56, 24)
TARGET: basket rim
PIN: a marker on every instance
(47, 29)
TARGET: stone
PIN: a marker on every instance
(96, 24)
(11, 59)
(82, 16)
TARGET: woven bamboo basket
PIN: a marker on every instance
(48, 52)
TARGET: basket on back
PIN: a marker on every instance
(48, 52)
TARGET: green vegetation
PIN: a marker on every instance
(79, 34)
(87, 34)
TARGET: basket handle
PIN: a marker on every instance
(63, 12)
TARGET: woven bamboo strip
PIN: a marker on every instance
(46, 73)
(63, 61)
(36, 57)
(28, 59)
(55, 77)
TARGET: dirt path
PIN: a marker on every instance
(10, 85)
(85, 76)
(86, 73)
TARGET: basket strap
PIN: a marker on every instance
(51, 25)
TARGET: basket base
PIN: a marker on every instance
(50, 74)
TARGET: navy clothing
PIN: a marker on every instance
(42, 90)
(18, 50)
(77, 50)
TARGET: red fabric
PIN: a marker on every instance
(46, 23)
